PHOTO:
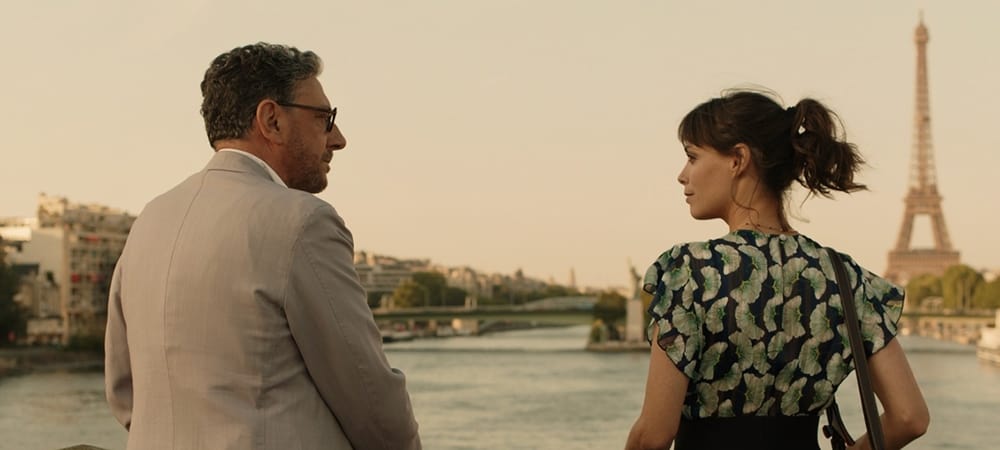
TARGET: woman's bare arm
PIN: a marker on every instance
(906, 416)
(657, 424)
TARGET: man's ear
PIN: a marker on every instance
(742, 158)
(269, 120)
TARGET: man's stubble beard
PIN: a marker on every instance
(306, 172)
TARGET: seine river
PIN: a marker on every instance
(530, 389)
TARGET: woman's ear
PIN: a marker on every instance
(741, 160)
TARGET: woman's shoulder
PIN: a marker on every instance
(874, 294)
(857, 273)
(678, 262)
(878, 301)
(703, 250)
(876, 287)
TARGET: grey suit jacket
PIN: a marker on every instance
(236, 320)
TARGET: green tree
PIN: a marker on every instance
(374, 299)
(13, 319)
(922, 287)
(556, 290)
(454, 296)
(610, 307)
(409, 294)
(647, 299)
(988, 295)
(504, 295)
(959, 285)
(436, 285)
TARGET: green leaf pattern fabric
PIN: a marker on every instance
(755, 322)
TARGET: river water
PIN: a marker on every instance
(529, 389)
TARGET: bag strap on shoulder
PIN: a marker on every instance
(872, 421)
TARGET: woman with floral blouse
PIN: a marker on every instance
(750, 343)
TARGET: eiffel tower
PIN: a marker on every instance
(923, 197)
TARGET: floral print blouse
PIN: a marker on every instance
(755, 322)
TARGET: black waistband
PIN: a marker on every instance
(749, 433)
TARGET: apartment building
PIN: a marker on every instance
(380, 274)
(66, 256)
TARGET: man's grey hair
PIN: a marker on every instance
(237, 81)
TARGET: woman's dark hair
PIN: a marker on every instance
(803, 143)
(238, 80)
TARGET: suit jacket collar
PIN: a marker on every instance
(235, 162)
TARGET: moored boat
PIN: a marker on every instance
(396, 336)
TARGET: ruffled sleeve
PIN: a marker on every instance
(880, 305)
(673, 310)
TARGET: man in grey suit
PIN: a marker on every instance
(236, 319)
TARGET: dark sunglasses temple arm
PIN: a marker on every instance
(332, 112)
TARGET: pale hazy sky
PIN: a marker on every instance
(511, 134)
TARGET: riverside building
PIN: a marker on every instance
(65, 257)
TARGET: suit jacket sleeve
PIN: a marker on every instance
(328, 314)
(117, 362)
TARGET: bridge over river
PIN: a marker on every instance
(555, 310)
(959, 327)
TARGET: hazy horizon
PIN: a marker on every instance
(515, 134)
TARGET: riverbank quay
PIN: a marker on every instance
(21, 360)
(403, 332)
(617, 346)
